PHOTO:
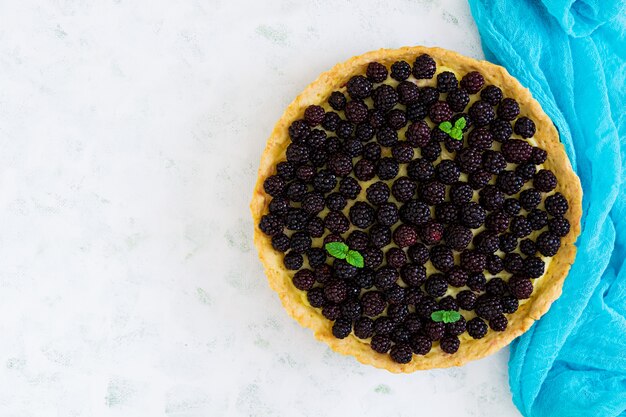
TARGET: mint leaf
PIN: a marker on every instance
(437, 315)
(446, 316)
(445, 127)
(354, 258)
(461, 123)
(456, 133)
(337, 250)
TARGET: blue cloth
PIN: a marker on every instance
(572, 56)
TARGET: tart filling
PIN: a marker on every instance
(416, 209)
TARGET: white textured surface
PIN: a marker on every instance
(130, 133)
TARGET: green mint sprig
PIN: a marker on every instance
(456, 131)
(340, 250)
(446, 316)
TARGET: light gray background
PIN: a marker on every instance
(130, 133)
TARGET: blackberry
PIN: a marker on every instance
(432, 192)
(344, 129)
(364, 278)
(359, 87)
(286, 170)
(524, 127)
(376, 72)
(387, 168)
(298, 131)
(458, 99)
(400, 70)
(509, 182)
(342, 328)
(403, 189)
(513, 263)
(300, 242)
(491, 198)
(473, 261)
(403, 152)
(480, 138)
(466, 300)
(446, 81)
(520, 287)
(416, 111)
(497, 287)
(395, 294)
(343, 270)
(508, 109)
(431, 151)
(380, 343)
(364, 328)
(544, 181)
(413, 275)
(296, 191)
(298, 154)
(387, 214)
(498, 221)
(380, 236)
(511, 206)
(538, 156)
(397, 312)
(424, 67)
(418, 253)
(349, 187)
(436, 285)
(364, 170)
(356, 111)
(377, 193)
(271, 224)
(472, 215)
(526, 171)
(420, 170)
(488, 307)
(372, 257)
(448, 171)
(293, 260)
(279, 205)
(498, 323)
(316, 257)
(440, 112)
(324, 181)
(336, 291)
(401, 353)
(457, 277)
(520, 227)
(323, 274)
(333, 145)
(486, 242)
(361, 215)
(533, 267)
(452, 145)
(469, 159)
(529, 199)
(491, 94)
(501, 130)
(274, 185)
(478, 179)
(331, 121)
(481, 113)
(429, 95)
(447, 213)
(442, 258)
(280, 242)
(314, 115)
(528, 247)
(372, 151)
(461, 193)
(420, 344)
(508, 243)
(472, 82)
(477, 282)
(385, 277)
(353, 148)
(418, 134)
(373, 303)
(385, 97)
(340, 164)
(336, 201)
(510, 304)
(305, 173)
(448, 303)
(396, 118)
(400, 335)
(413, 323)
(303, 279)
(548, 243)
(405, 236)
(477, 328)
(426, 306)
(331, 311)
(316, 298)
(315, 227)
(319, 157)
(408, 92)
(336, 222)
(559, 226)
(376, 118)
(415, 213)
(494, 264)
(413, 296)
(556, 205)
(434, 330)
(396, 258)
(351, 309)
(457, 237)
(364, 132)
(538, 219)
(337, 100)
(431, 233)
(450, 344)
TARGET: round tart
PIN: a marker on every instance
(416, 209)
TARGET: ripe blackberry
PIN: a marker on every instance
(404, 236)
(556, 205)
(316, 298)
(529, 199)
(491, 94)
(452, 145)
(385, 277)
(477, 282)
(342, 328)
(380, 236)
(331, 311)
(397, 312)
(418, 134)
(420, 344)
(446, 81)
(498, 221)
(548, 243)
(429, 95)
(359, 87)
(510, 304)
(469, 159)
(431, 151)
(521, 287)
(508, 243)
(559, 226)
(520, 227)
(528, 247)
(461, 193)
(286, 170)
(324, 181)
(395, 294)
(442, 258)
(426, 306)
(448, 303)
(387, 214)
(305, 173)
(331, 121)
(353, 147)
(349, 187)
(418, 253)
(436, 285)
(385, 97)
(376, 118)
(434, 330)
(490, 197)
(373, 303)
(480, 138)
(362, 215)
(501, 130)
(524, 127)
(396, 258)
(337, 100)
(498, 323)
(387, 168)
(440, 112)
(364, 170)
(497, 287)
(336, 222)
(401, 353)
(511, 206)
(477, 328)
(450, 343)
(344, 129)
(377, 193)
(473, 261)
(478, 179)
(298, 131)
(271, 224)
(448, 171)
(488, 307)
(380, 343)
(297, 154)
(513, 263)
(336, 291)
(457, 99)
(413, 296)
(466, 300)
(457, 277)
(509, 182)
(333, 145)
(364, 328)
(364, 132)
(457, 237)
(316, 257)
(533, 267)
(420, 170)
(472, 215)
(486, 242)
(372, 257)
(376, 72)
(343, 270)
(413, 323)
(447, 213)
(356, 111)
(279, 205)
(280, 242)
(296, 190)
(432, 192)
(508, 109)
(396, 118)
(516, 151)
(402, 152)
(431, 233)
(323, 274)
(364, 278)
(424, 67)
(538, 219)
(336, 201)
(408, 92)
(416, 111)
(300, 242)
(351, 309)
(494, 264)
(544, 181)
(538, 156)
(415, 212)
(314, 115)
(400, 335)
(413, 275)
(315, 227)
(481, 113)
(293, 260)
(526, 171)
(274, 185)
(403, 189)
(472, 82)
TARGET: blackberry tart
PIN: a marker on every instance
(416, 209)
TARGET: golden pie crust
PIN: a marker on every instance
(547, 288)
